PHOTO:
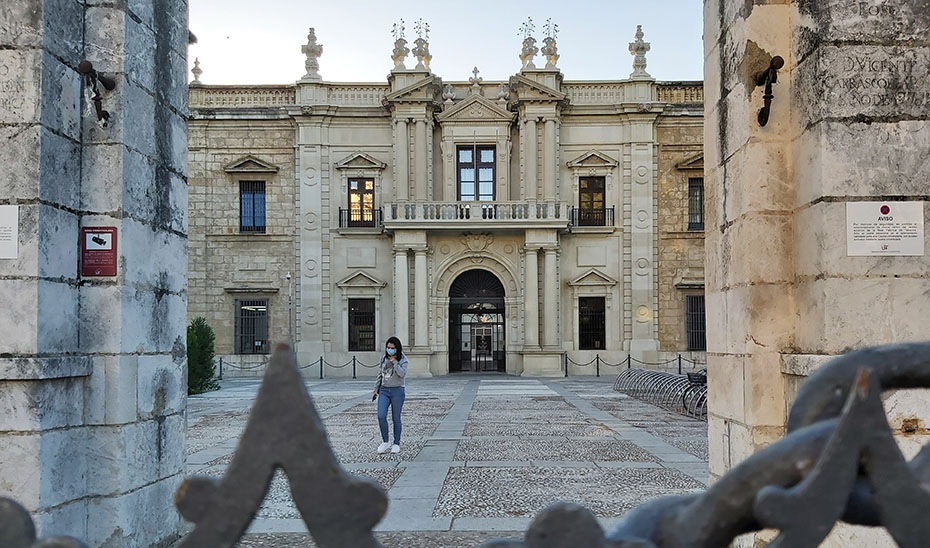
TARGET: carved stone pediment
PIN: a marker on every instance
(425, 90)
(693, 163)
(360, 279)
(593, 158)
(529, 90)
(360, 160)
(593, 277)
(250, 164)
(476, 108)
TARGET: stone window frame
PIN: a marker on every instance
(594, 163)
(594, 283)
(250, 168)
(369, 288)
(360, 165)
(237, 325)
(476, 151)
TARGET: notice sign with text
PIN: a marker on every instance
(9, 231)
(884, 228)
(98, 251)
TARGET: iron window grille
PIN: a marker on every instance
(361, 203)
(591, 323)
(696, 322)
(252, 326)
(580, 217)
(592, 206)
(476, 172)
(696, 203)
(361, 325)
(252, 206)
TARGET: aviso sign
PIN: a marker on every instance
(884, 228)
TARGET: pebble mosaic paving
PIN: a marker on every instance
(480, 455)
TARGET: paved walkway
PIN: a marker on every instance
(480, 455)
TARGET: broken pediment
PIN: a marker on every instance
(696, 162)
(593, 158)
(360, 160)
(593, 277)
(476, 108)
(250, 164)
(359, 280)
(530, 90)
(426, 89)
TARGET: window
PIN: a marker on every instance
(361, 202)
(252, 206)
(591, 207)
(696, 322)
(362, 324)
(472, 161)
(696, 203)
(252, 326)
(591, 323)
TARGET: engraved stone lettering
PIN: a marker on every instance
(867, 9)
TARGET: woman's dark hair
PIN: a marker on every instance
(396, 342)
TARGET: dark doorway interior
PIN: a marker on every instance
(476, 323)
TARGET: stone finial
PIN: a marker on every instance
(529, 44)
(638, 49)
(400, 46)
(313, 51)
(549, 49)
(197, 71)
(421, 45)
(475, 81)
(448, 93)
(504, 93)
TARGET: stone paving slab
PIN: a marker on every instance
(416, 539)
(589, 450)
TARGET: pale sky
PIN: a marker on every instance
(258, 42)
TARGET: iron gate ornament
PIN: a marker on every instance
(838, 462)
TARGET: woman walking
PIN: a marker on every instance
(390, 391)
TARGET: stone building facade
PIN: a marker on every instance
(491, 225)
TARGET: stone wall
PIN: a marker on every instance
(93, 368)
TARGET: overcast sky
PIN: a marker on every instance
(258, 42)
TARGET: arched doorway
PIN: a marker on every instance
(476, 323)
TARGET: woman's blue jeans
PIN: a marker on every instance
(393, 396)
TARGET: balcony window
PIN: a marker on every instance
(361, 202)
(252, 206)
(696, 203)
(592, 210)
(476, 172)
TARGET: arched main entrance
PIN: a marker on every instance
(476, 322)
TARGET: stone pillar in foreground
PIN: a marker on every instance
(401, 295)
(92, 378)
(792, 279)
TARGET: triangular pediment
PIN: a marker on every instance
(360, 160)
(593, 277)
(696, 162)
(593, 158)
(250, 164)
(529, 90)
(423, 90)
(476, 108)
(361, 279)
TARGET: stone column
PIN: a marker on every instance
(785, 293)
(530, 150)
(401, 296)
(421, 164)
(643, 345)
(531, 296)
(402, 156)
(421, 313)
(551, 299)
(549, 167)
(93, 366)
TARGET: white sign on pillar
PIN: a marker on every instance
(9, 232)
(884, 229)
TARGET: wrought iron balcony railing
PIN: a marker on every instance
(357, 218)
(581, 216)
(467, 214)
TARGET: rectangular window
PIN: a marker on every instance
(476, 172)
(592, 206)
(252, 326)
(361, 324)
(696, 322)
(591, 323)
(696, 203)
(361, 202)
(252, 206)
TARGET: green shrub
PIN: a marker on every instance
(200, 368)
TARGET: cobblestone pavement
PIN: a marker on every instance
(480, 455)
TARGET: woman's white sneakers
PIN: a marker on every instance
(395, 448)
(383, 448)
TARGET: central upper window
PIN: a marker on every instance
(476, 173)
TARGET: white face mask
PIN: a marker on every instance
(391, 351)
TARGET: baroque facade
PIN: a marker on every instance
(492, 226)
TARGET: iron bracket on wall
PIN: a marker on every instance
(767, 78)
(91, 77)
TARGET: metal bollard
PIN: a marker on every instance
(566, 365)
(321, 367)
(353, 366)
(597, 364)
(221, 368)
(679, 364)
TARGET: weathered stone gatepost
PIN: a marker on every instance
(798, 270)
(92, 360)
